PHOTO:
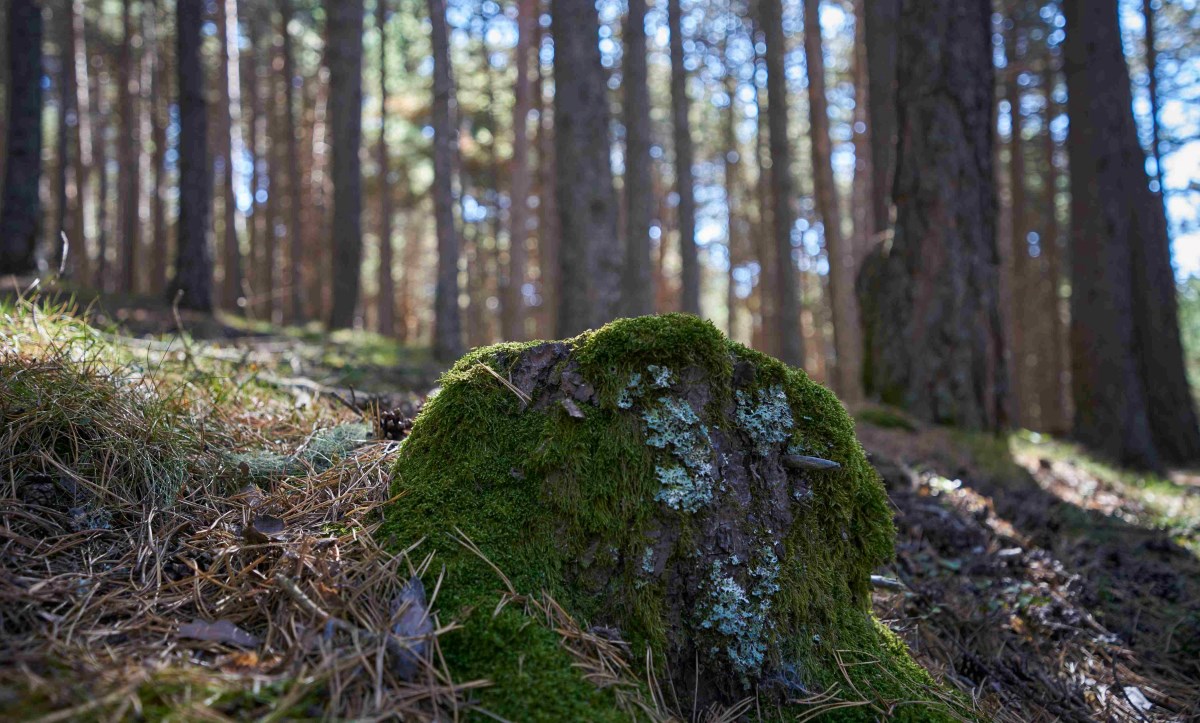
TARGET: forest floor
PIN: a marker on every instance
(1040, 582)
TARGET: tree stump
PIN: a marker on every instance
(702, 502)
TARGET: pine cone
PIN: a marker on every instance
(41, 490)
(394, 424)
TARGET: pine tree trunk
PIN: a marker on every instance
(731, 175)
(590, 254)
(100, 81)
(881, 22)
(638, 274)
(1054, 418)
(159, 108)
(20, 206)
(1023, 367)
(295, 196)
(549, 234)
(66, 101)
(81, 145)
(128, 157)
(345, 125)
(192, 284)
(231, 148)
(518, 233)
(684, 180)
(386, 302)
(1132, 398)
(447, 327)
(787, 330)
(930, 304)
(847, 336)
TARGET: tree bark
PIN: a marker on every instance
(1022, 353)
(387, 281)
(159, 119)
(100, 127)
(128, 157)
(295, 196)
(684, 160)
(231, 148)
(81, 144)
(1132, 399)
(549, 234)
(638, 274)
(192, 284)
(881, 22)
(518, 232)
(788, 331)
(1054, 417)
(345, 125)
(590, 255)
(20, 206)
(930, 302)
(847, 335)
(447, 326)
(66, 95)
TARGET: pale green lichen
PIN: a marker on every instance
(660, 377)
(766, 417)
(681, 491)
(739, 618)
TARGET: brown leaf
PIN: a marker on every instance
(222, 631)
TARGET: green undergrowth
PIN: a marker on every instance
(550, 497)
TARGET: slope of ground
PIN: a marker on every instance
(1043, 584)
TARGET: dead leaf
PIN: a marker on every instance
(222, 631)
(262, 528)
(572, 408)
(409, 640)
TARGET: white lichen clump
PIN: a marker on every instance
(766, 417)
(739, 617)
(673, 426)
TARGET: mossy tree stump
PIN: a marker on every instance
(665, 483)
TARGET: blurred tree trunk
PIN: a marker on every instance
(847, 336)
(765, 250)
(81, 145)
(345, 124)
(684, 179)
(66, 102)
(638, 274)
(128, 156)
(159, 103)
(231, 148)
(100, 126)
(731, 175)
(386, 302)
(20, 206)
(881, 22)
(548, 231)
(447, 327)
(590, 252)
(292, 140)
(930, 303)
(1132, 399)
(518, 233)
(1054, 396)
(192, 284)
(787, 330)
(260, 244)
(1023, 367)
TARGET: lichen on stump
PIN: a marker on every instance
(665, 483)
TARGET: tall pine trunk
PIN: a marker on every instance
(590, 256)
(20, 206)
(518, 233)
(128, 156)
(689, 291)
(192, 284)
(230, 144)
(787, 310)
(847, 336)
(159, 112)
(345, 125)
(447, 324)
(881, 32)
(930, 302)
(1132, 399)
(81, 145)
(638, 275)
(295, 196)
(386, 303)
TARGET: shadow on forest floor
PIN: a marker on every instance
(1045, 584)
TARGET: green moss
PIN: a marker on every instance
(574, 507)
